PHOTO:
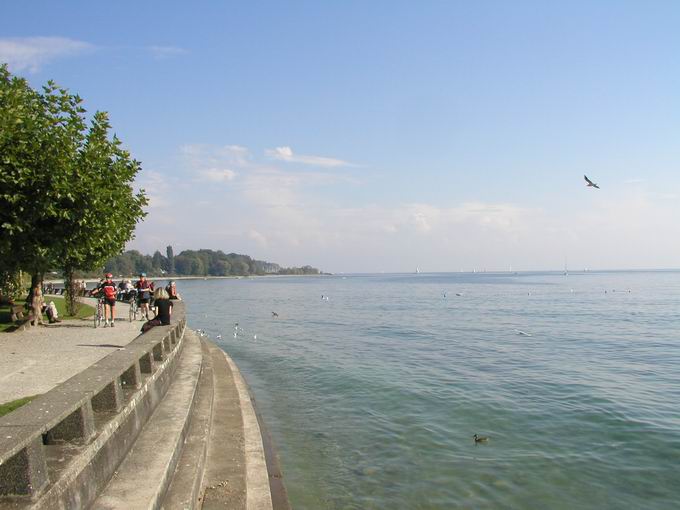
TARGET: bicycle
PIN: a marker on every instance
(134, 307)
(99, 313)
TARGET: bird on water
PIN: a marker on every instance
(480, 439)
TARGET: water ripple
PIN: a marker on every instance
(373, 397)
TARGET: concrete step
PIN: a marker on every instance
(185, 491)
(224, 479)
(236, 475)
(142, 479)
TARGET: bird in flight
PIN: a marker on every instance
(590, 183)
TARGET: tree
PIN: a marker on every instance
(107, 209)
(39, 136)
(66, 196)
(171, 260)
(158, 262)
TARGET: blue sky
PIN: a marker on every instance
(384, 136)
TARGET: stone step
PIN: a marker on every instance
(142, 479)
(236, 475)
(185, 491)
(224, 479)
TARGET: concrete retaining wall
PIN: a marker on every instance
(59, 450)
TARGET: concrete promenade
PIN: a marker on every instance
(168, 407)
(36, 360)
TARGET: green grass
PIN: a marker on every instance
(8, 407)
(83, 312)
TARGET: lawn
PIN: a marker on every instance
(83, 311)
(8, 407)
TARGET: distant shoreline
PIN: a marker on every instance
(154, 278)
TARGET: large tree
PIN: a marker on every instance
(39, 135)
(107, 208)
(66, 196)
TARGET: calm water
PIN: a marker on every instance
(372, 396)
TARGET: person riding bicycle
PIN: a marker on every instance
(107, 291)
(144, 290)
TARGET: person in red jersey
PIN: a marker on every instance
(107, 290)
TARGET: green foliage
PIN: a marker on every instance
(107, 208)
(170, 263)
(197, 263)
(66, 194)
(39, 136)
(10, 286)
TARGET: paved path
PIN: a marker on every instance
(36, 360)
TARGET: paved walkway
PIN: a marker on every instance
(37, 359)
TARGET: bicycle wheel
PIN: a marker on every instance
(133, 310)
(98, 315)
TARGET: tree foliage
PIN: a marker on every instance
(197, 263)
(39, 135)
(66, 195)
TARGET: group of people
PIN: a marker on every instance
(143, 290)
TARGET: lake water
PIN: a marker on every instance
(372, 395)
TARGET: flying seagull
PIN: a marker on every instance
(590, 183)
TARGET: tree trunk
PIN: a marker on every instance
(72, 304)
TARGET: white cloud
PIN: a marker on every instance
(257, 237)
(199, 156)
(218, 175)
(166, 52)
(292, 216)
(286, 154)
(157, 189)
(30, 53)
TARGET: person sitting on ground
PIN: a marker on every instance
(144, 290)
(171, 289)
(51, 312)
(108, 290)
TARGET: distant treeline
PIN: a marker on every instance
(196, 263)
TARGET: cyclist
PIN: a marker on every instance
(144, 290)
(107, 290)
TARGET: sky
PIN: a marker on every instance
(384, 136)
